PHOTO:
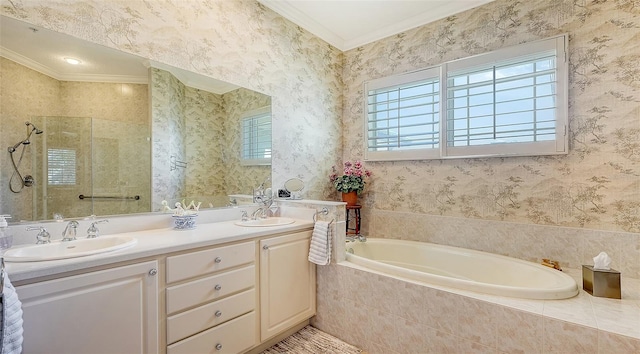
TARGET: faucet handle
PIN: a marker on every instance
(92, 231)
(245, 216)
(42, 237)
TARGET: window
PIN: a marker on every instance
(256, 137)
(403, 115)
(61, 167)
(510, 102)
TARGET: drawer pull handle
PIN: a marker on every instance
(153, 272)
(218, 287)
(265, 247)
(218, 260)
(218, 346)
(218, 313)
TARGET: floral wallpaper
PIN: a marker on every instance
(202, 129)
(241, 179)
(597, 185)
(168, 147)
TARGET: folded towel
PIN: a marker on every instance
(11, 326)
(320, 248)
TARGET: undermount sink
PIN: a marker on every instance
(69, 249)
(274, 221)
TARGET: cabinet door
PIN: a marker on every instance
(109, 311)
(287, 283)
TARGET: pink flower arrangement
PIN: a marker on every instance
(353, 178)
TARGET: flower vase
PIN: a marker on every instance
(351, 198)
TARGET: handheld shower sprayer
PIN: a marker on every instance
(26, 141)
(27, 181)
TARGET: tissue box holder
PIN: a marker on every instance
(601, 282)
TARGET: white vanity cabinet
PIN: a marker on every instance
(107, 311)
(211, 300)
(226, 298)
(287, 283)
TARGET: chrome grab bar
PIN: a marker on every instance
(82, 197)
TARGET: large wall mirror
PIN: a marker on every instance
(118, 134)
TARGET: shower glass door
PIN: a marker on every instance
(63, 167)
(87, 166)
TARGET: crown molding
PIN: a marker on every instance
(286, 9)
(43, 69)
(298, 17)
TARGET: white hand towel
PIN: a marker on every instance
(320, 248)
(11, 319)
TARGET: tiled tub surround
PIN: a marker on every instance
(382, 314)
(386, 315)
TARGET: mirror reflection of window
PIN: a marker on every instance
(61, 167)
(256, 137)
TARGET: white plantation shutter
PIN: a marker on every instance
(508, 102)
(512, 101)
(403, 116)
(256, 137)
(61, 167)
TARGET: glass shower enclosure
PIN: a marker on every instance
(89, 166)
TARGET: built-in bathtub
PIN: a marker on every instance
(461, 268)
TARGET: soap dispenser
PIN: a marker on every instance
(6, 239)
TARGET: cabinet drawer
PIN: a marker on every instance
(199, 291)
(202, 262)
(196, 320)
(234, 336)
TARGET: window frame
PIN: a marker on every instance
(559, 145)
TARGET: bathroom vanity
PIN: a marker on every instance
(220, 288)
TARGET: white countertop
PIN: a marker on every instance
(153, 243)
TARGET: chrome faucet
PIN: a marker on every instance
(261, 212)
(92, 231)
(69, 233)
(43, 237)
(264, 197)
(355, 238)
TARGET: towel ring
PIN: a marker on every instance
(323, 211)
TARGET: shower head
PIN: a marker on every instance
(34, 128)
